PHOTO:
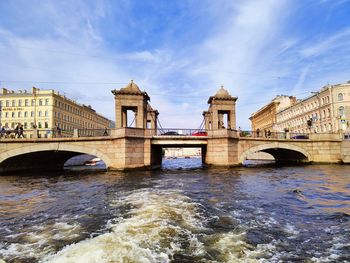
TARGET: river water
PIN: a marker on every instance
(182, 213)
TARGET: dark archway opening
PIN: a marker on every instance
(37, 161)
(276, 156)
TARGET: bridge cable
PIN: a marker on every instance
(132, 121)
(202, 124)
(158, 122)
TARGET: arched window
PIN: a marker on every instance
(340, 97)
(39, 113)
(25, 114)
(341, 111)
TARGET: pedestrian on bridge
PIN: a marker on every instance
(16, 130)
(20, 131)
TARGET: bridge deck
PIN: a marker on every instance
(180, 141)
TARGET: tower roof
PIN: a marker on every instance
(131, 89)
(222, 94)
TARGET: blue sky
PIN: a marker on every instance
(180, 52)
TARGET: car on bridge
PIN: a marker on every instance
(200, 133)
(171, 133)
(300, 136)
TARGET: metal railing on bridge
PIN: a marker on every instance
(181, 132)
(75, 133)
(291, 135)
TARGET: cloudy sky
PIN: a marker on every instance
(180, 52)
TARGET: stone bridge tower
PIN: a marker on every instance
(131, 98)
(222, 105)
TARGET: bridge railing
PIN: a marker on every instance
(36, 133)
(292, 135)
(262, 134)
(181, 132)
(94, 132)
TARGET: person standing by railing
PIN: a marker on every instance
(3, 132)
(59, 131)
(257, 132)
(16, 130)
(20, 131)
(105, 133)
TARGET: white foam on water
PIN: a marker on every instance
(35, 240)
(159, 225)
(290, 229)
(152, 231)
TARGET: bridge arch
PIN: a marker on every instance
(45, 156)
(282, 152)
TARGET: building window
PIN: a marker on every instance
(26, 103)
(46, 125)
(19, 114)
(340, 97)
(6, 115)
(39, 125)
(46, 102)
(46, 113)
(33, 102)
(32, 114)
(341, 111)
(25, 125)
(25, 114)
(13, 103)
(7, 103)
(13, 114)
(40, 102)
(39, 113)
(19, 103)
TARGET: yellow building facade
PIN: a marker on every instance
(265, 117)
(325, 111)
(48, 111)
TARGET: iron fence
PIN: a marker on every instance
(94, 132)
(59, 133)
(273, 135)
(181, 132)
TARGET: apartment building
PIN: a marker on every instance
(47, 110)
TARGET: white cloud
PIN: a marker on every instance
(336, 41)
(246, 49)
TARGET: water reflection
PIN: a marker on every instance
(182, 213)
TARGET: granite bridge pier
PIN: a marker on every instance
(141, 146)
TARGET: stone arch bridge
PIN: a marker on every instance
(139, 146)
(128, 148)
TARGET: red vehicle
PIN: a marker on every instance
(201, 133)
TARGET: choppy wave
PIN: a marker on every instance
(161, 226)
